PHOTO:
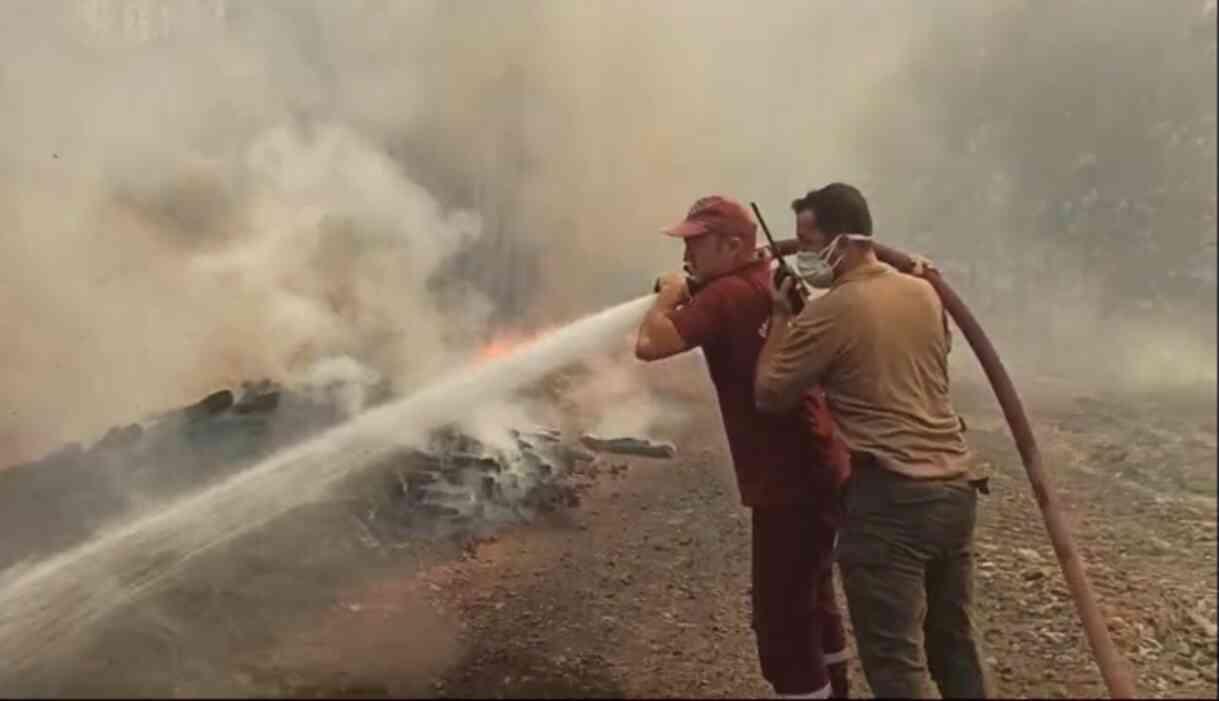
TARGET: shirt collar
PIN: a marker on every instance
(863, 271)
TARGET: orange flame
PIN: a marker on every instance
(505, 342)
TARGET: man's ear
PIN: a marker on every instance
(735, 244)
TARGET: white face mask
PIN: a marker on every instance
(827, 254)
(831, 256)
(814, 270)
(817, 267)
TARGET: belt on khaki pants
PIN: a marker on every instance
(860, 459)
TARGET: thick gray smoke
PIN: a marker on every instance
(198, 191)
(1060, 160)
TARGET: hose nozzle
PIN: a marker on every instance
(692, 284)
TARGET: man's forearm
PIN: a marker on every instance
(657, 315)
(657, 336)
(766, 396)
(797, 354)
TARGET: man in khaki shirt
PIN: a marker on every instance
(878, 342)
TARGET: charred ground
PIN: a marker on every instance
(613, 576)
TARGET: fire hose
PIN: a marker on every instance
(1116, 673)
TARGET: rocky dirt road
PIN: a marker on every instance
(642, 590)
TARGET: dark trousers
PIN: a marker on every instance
(906, 556)
(795, 617)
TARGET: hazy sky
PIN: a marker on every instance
(307, 180)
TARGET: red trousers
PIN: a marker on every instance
(795, 616)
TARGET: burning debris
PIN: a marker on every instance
(60, 499)
(452, 485)
(457, 485)
(630, 446)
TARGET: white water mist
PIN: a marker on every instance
(44, 605)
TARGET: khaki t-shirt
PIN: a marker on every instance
(878, 343)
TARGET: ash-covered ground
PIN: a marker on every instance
(438, 496)
(609, 575)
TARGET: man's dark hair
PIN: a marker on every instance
(839, 208)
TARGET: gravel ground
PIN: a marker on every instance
(642, 589)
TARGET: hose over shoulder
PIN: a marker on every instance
(1115, 671)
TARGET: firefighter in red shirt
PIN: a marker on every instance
(789, 467)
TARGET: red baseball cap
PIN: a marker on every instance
(715, 214)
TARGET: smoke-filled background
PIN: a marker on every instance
(197, 192)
